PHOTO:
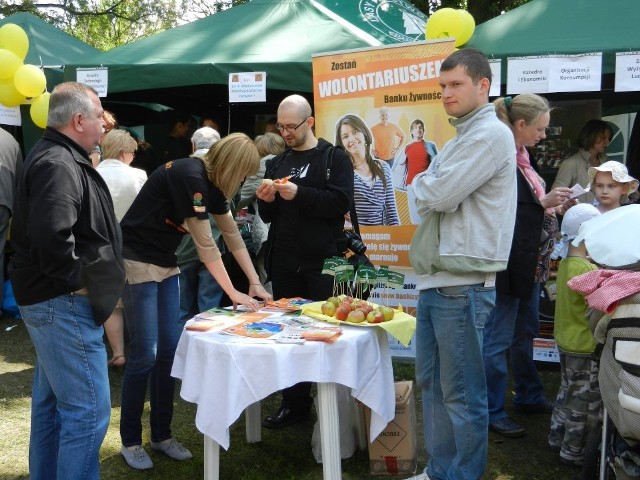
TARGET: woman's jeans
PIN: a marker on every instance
(450, 373)
(154, 328)
(71, 404)
(512, 326)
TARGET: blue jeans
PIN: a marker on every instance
(199, 291)
(71, 404)
(152, 320)
(526, 381)
(511, 327)
(450, 373)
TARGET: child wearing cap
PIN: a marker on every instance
(578, 401)
(611, 184)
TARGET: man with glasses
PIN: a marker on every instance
(306, 213)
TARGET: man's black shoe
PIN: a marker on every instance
(284, 418)
(507, 428)
(545, 406)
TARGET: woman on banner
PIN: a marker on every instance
(372, 187)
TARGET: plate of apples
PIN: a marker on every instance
(344, 309)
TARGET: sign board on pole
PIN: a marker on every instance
(247, 87)
(98, 78)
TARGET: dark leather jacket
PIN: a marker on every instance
(64, 230)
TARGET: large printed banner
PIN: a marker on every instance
(383, 105)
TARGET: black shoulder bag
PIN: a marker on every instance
(352, 240)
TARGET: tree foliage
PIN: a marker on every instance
(106, 24)
(481, 10)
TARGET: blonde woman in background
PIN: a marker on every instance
(269, 145)
(124, 183)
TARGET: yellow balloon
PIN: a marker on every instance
(442, 24)
(40, 110)
(467, 27)
(30, 80)
(9, 63)
(14, 38)
(9, 96)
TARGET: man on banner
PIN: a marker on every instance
(467, 201)
(387, 138)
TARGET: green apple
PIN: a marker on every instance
(334, 300)
(356, 316)
(328, 309)
(387, 312)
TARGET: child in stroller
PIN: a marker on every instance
(614, 292)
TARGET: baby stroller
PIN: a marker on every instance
(618, 293)
(619, 379)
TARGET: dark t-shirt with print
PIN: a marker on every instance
(152, 227)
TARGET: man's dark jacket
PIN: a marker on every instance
(64, 230)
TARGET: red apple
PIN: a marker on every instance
(356, 316)
(342, 312)
(387, 312)
(366, 307)
(328, 309)
(375, 316)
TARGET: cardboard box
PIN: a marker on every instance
(394, 451)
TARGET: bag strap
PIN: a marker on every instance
(328, 162)
(277, 161)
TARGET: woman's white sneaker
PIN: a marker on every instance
(173, 449)
(136, 458)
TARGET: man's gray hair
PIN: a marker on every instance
(204, 137)
(67, 100)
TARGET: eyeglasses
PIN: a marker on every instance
(290, 128)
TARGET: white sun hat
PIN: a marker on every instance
(612, 238)
(618, 172)
(575, 216)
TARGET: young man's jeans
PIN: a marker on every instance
(199, 291)
(450, 373)
(71, 404)
(152, 319)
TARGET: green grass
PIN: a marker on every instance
(282, 454)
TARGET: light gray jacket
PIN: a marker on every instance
(467, 199)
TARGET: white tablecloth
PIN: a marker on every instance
(223, 374)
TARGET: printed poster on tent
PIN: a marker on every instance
(393, 94)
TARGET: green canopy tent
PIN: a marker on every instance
(542, 27)
(188, 67)
(49, 46)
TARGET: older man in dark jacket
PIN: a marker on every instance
(68, 274)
